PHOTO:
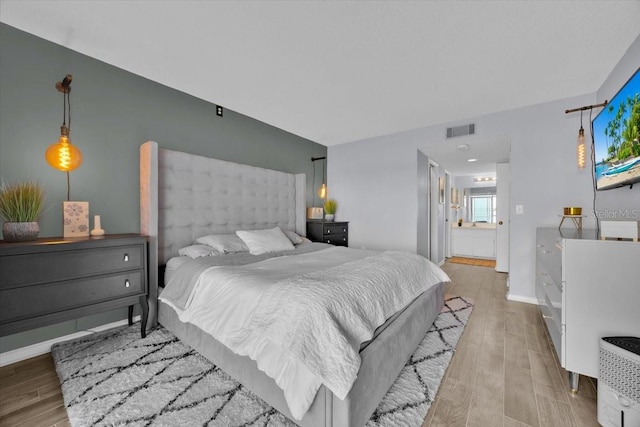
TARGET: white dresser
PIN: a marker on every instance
(586, 288)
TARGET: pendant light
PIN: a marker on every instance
(63, 155)
(581, 149)
(322, 191)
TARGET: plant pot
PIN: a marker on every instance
(329, 217)
(20, 231)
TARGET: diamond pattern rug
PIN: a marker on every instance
(116, 378)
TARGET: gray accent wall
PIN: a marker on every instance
(113, 112)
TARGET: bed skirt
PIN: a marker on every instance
(382, 360)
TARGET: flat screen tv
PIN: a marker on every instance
(616, 138)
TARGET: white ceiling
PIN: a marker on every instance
(340, 71)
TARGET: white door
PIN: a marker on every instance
(503, 192)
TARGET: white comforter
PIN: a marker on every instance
(302, 318)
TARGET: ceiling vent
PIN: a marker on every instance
(463, 130)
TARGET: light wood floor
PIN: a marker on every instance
(504, 372)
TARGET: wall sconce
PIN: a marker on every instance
(581, 149)
(322, 191)
(63, 155)
(66, 157)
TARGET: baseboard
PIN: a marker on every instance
(37, 349)
(519, 298)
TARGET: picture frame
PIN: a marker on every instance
(441, 189)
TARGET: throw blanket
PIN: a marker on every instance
(303, 318)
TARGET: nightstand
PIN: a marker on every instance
(50, 280)
(332, 232)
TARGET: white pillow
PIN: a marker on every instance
(224, 243)
(198, 251)
(294, 237)
(265, 241)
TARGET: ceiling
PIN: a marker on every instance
(341, 71)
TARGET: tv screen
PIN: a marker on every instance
(616, 138)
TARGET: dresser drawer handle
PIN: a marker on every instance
(126, 257)
(328, 231)
(127, 283)
(328, 240)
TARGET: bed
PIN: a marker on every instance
(185, 197)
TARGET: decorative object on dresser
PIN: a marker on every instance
(330, 206)
(75, 219)
(315, 213)
(334, 233)
(97, 226)
(21, 205)
(586, 288)
(55, 279)
(575, 214)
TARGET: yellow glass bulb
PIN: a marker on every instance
(581, 150)
(63, 155)
(322, 192)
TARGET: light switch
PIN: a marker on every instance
(519, 209)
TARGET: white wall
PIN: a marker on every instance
(375, 180)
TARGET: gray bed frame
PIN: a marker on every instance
(185, 196)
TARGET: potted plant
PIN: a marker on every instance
(330, 206)
(21, 205)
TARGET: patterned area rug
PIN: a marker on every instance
(116, 378)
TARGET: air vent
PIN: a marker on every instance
(463, 130)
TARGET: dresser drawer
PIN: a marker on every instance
(41, 299)
(27, 269)
(549, 257)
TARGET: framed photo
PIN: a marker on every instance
(441, 189)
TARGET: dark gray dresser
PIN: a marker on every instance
(333, 232)
(51, 280)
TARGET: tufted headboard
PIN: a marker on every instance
(185, 196)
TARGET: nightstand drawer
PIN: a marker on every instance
(330, 229)
(338, 239)
(334, 233)
(27, 301)
(27, 269)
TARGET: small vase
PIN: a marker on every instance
(20, 231)
(329, 217)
